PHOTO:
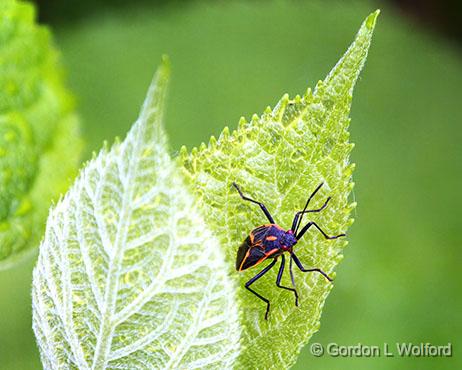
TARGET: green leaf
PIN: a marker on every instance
(128, 275)
(40, 144)
(136, 266)
(279, 159)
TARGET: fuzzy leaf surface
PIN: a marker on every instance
(279, 158)
(129, 276)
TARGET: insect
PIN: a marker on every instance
(270, 241)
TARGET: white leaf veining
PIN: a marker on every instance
(128, 275)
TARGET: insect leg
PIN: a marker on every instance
(300, 266)
(298, 214)
(312, 223)
(262, 206)
(278, 279)
(292, 273)
(254, 279)
(296, 225)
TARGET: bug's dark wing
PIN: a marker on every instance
(255, 256)
(250, 255)
(243, 252)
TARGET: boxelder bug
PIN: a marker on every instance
(271, 241)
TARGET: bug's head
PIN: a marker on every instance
(288, 239)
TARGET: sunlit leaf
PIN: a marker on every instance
(279, 159)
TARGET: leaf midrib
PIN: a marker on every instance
(104, 339)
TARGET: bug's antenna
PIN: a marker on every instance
(306, 206)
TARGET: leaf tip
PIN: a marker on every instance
(371, 19)
(165, 65)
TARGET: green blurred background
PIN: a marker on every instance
(400, 279)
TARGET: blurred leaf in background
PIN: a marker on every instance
(400, 278)
(39, 141)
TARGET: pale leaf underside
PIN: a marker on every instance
(128, 275)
